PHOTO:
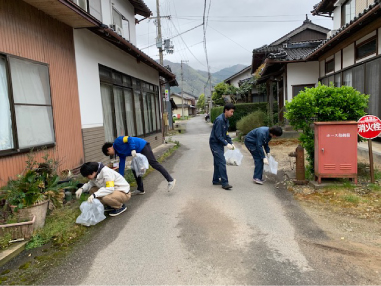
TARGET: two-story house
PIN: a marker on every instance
(72, 78)
(351, 54)
(185, 105)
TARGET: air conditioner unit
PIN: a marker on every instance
(119, 30)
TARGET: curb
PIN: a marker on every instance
(11, 252)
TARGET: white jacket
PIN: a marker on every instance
(107, 181)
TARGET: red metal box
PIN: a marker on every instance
(336, 150)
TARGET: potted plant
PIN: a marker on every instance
(31, 193)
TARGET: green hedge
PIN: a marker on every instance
(243, 109)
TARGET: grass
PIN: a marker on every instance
(362, 200)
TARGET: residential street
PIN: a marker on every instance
(202, 234)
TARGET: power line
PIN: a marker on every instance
(179, 34)
(231, 39)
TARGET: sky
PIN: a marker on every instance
(233, 28)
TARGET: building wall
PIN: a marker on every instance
(91, 51)
(301, 73)
(242, 76)
(348, 55)
(29, 33)
(127, 10)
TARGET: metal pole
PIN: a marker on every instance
(371, 161)
(159, 32)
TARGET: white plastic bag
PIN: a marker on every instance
(92, 213)
(139, 164)
(233, 157)
(272, 167)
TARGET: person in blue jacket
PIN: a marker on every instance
(255, 141)
(124, 146)
(219, 138)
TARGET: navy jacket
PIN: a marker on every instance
(123, 145)
(219, 134)
(257, 138)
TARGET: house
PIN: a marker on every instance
(71, 79)
(284, 65)
(351, 54)
(185, 105)
(244, 76)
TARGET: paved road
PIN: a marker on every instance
(202, 234)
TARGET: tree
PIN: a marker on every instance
(201, 102)
(323, 103)
(223, 89)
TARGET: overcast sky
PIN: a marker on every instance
(234, 28)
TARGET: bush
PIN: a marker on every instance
(251, 121)
(241, 110)
(323, 103)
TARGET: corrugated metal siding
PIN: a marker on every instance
(31, 34)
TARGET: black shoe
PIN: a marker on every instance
(217, 184)
(109, 209)
(116, 212)
(227, 187)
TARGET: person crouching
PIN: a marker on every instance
(105, 184)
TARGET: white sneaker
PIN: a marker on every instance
(171, 185)
(258, 181)
(137, 192)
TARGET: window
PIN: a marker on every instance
(81, 3)
(129, 107)
(26, 107)
(298, 88)
(366, 48)
(348, 11)
(330, 66)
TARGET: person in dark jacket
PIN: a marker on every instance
(257, 140)
(219, 138)
(124, 146)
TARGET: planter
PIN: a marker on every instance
(18, 230)
(39, 210)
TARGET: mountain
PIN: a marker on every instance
(194, 80)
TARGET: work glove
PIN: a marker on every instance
(265, 161)
(268, 155)
(133, 153)
(78, 193)
(91, 198)
(230, 146)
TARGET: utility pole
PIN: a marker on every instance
(182, 87)
(159, 41)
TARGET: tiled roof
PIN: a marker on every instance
(141, 8)
(368, 15)
(324, 7)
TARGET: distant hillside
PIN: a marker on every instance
(227, 72)
(194, 80)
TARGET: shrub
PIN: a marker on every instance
(241, 110)
(323, 103)
(251, 121)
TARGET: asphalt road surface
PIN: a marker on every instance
(202, 234)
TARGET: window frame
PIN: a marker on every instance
(349, 4)
(138, 88)
(310, 85)
(328, 64)
(16, 145)
(367, 41)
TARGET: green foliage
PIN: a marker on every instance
(251, 121)
(323, 103)
(4, 240)
(201, 102)
(220, 90)
(60, 227)
(241, 110)
(36, 185)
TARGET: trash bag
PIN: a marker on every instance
(139, 164)
(272, 167)
(92, 213)
(233, 157)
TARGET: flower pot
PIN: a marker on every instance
(18, 230)
(38, 209)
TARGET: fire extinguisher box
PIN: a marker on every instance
(336, 150)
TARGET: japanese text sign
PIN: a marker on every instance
(369, 126)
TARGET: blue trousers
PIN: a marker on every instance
(258, 160)
(219, 164)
